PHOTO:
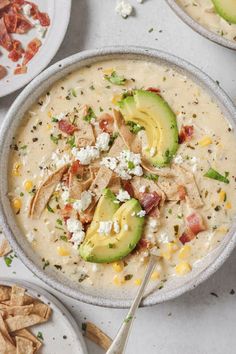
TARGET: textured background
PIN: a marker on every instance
(198, 322)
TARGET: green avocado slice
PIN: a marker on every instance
(226, 9)
(159, 121)
(99, 248)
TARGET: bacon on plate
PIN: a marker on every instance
(195, 225)
(186, 133)
(67, 127)
(149, 201)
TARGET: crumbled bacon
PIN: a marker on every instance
(128, 187)
(4, 3)
(10, 20)
(195, 225)
(186, 133)
(106, 123)
(3, 72)
(5, 39)
(23, 24)
(20, 69)
(154, 90)
(38, 15)
(75, 168)
(66, 211)
(32, 48)
(182, 192)
(149, 201)
(17, 51)
(66, 127)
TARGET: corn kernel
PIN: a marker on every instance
(116, 98)
(155, 276)
(170, 248)
(49, 126)
(62, 251)
(183, 268)
(49, 114)
(222, 196)
(138, 282)
(228, 205)
(118, 281)
(205, 141)
(118, 266)
(184, 252)
(28, 185)
(16, 169)
(108, 71)
(16, 203)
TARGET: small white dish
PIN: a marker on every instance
(61, 334)
(59, 13)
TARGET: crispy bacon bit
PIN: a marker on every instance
(4, 3)
(150, 201)
(194, 226)
(128, 187)
(10, 20)
(66, 212)
(66, 127)
(154, 90)
(23, 24)
(186, 133)
(106, 122)
(17, 51)
(43, 18)
(75, 167)
(182, 192)
(20, 70)
(142, 245)
(32, 48)
(3, 72)
(5, 39)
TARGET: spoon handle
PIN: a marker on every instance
(119, 343)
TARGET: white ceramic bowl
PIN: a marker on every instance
(199, 28)
(21, 246)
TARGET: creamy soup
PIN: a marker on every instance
(72, 145)
(203, 11)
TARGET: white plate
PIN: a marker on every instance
(59, 13)
(61, 333)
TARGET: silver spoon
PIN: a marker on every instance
(119, 343)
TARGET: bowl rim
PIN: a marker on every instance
(62, 67)
(212, 36)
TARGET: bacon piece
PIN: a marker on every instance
(10, 20)
(20, 70)
(43, 18)
(23, 24)
(67, 127)
(182, 192)
(32, 48)
(128, 187)
(75, 167)
(4, 3)
(195, 223)
(5, 39)
(186, 237)
(17, 51)
(186, 133)
(154, 90)
(66, 212)
(3, 72)
(106, 123)
(150, 201)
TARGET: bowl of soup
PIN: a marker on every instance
(214, 19)
(110, 156)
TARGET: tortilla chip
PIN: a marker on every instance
(85, 135)
(5, 293)
(17, 296)
(19, 322)
(24, 346)
(15, 310)
(5, 248)
(42, 310)
(115, 184)
(25, 333)
(6, 347)
(43, 194)
(97, 336)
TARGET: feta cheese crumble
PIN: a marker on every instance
(27, 9)
(105, 227)
(85, 155)
(142, 189)
(84, 202)
(65, 195)
(103, 141)
(124, 8)
(122, 196)
(116, 226)
(141, 213)
(60, 160)
(60, 116)
(178, 160)
(75, 227)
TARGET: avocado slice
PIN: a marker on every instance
(159, 121)
(99, 248)
(226, 9)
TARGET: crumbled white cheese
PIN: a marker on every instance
(86, 155)
(77, 238)
(60, 160)
(103, 141)
(42, 30)
(116, 226)
(122, 196)
(65, 195)
(26, 9)
(142, 189)
(178, 159)
(124, 8)
(125, 165)
(105, 227)
(96, 267)
(74, 225)
(126, 227)
(153, 223)
(141, 213)
(152, 151)
(30, 236)
(194, 163)
(60, 116)
(164, 238)
(84, 202)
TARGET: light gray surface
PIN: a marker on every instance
(199, 323)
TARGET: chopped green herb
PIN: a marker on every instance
(115, 79)
(49, 208)
(40, 335)
(55, 138)
(134, 128)
(131, 165)
(54, 120)
(71, 141)
(151, 176)
(64, 238)
(113, 138)
(111, 245)
(8, 261)
(59, 221)
(213, 174)
(73, 92)
(90, 115)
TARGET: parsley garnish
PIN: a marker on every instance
(40, 335)
(115, 79)
(90, 115)
(151, 176)
(134, 127)
(213, 174)
(49, 208)
(8, 261)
